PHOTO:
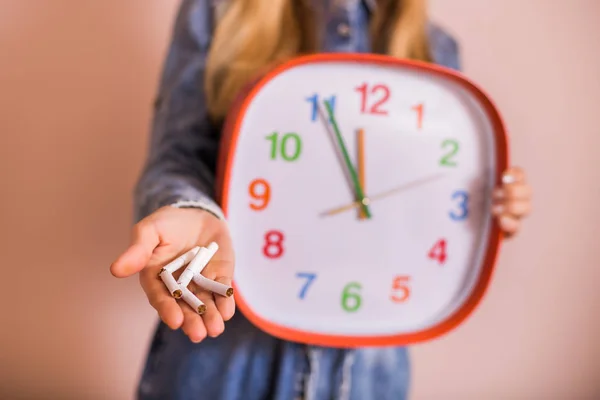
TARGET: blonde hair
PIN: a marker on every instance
(253, 36)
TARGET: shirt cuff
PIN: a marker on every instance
(203, 205)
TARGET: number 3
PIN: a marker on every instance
(464, 210)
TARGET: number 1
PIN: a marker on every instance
(419, 109)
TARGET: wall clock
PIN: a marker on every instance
(358, 194)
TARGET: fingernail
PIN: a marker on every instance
(498, 193)
(508, 178)
(498, 209)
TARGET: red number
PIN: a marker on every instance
(419, 109)
(386, 94)
(264, 196)
(400, 289)
(438, 251)
(273, 247)
(363, 89)
(363, 99)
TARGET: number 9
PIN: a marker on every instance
(262, 195)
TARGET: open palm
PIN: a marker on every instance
(160, 238)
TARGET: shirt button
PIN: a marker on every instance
(343, 30)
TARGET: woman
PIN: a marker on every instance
(218, 47)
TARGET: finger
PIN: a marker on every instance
(136, 257)
(509, 225)
(161, 300)
(517, 208)
(513, 175)
(193, 325)
(513, 191)
(518, 191)
(212, 317)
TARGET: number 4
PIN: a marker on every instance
(438, 251)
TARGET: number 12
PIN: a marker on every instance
(374, 109)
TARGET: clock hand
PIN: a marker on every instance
(361, 199)
(382, 195)
(360, 164)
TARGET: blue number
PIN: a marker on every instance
(463, 205)
(314, 100)
(309, 278)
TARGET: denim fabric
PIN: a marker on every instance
(244, 362)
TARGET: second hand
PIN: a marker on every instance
(382, 195)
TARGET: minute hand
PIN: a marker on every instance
(361, 199)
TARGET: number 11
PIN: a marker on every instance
(314, 99)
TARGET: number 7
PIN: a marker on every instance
(309, 278)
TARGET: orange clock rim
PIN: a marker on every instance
(231, 129)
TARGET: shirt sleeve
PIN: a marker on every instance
(180, 165)
(444, 48)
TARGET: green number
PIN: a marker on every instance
(290, 146)
(351, 301)
(446, 160)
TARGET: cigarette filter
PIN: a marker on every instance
(193, 301)
(170, 283)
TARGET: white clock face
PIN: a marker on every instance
(424, 154)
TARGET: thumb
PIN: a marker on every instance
(136, 257)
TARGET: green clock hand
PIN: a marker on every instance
(357, 187)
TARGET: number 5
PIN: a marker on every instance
(400, 289)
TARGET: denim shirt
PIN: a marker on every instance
(244, 362)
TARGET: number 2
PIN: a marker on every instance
(447, 159)
(363, 89)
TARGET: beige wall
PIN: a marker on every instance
(76, 82)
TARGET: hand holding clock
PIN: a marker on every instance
(512, 201)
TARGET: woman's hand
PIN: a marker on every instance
(512, 201)
(162, 237)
